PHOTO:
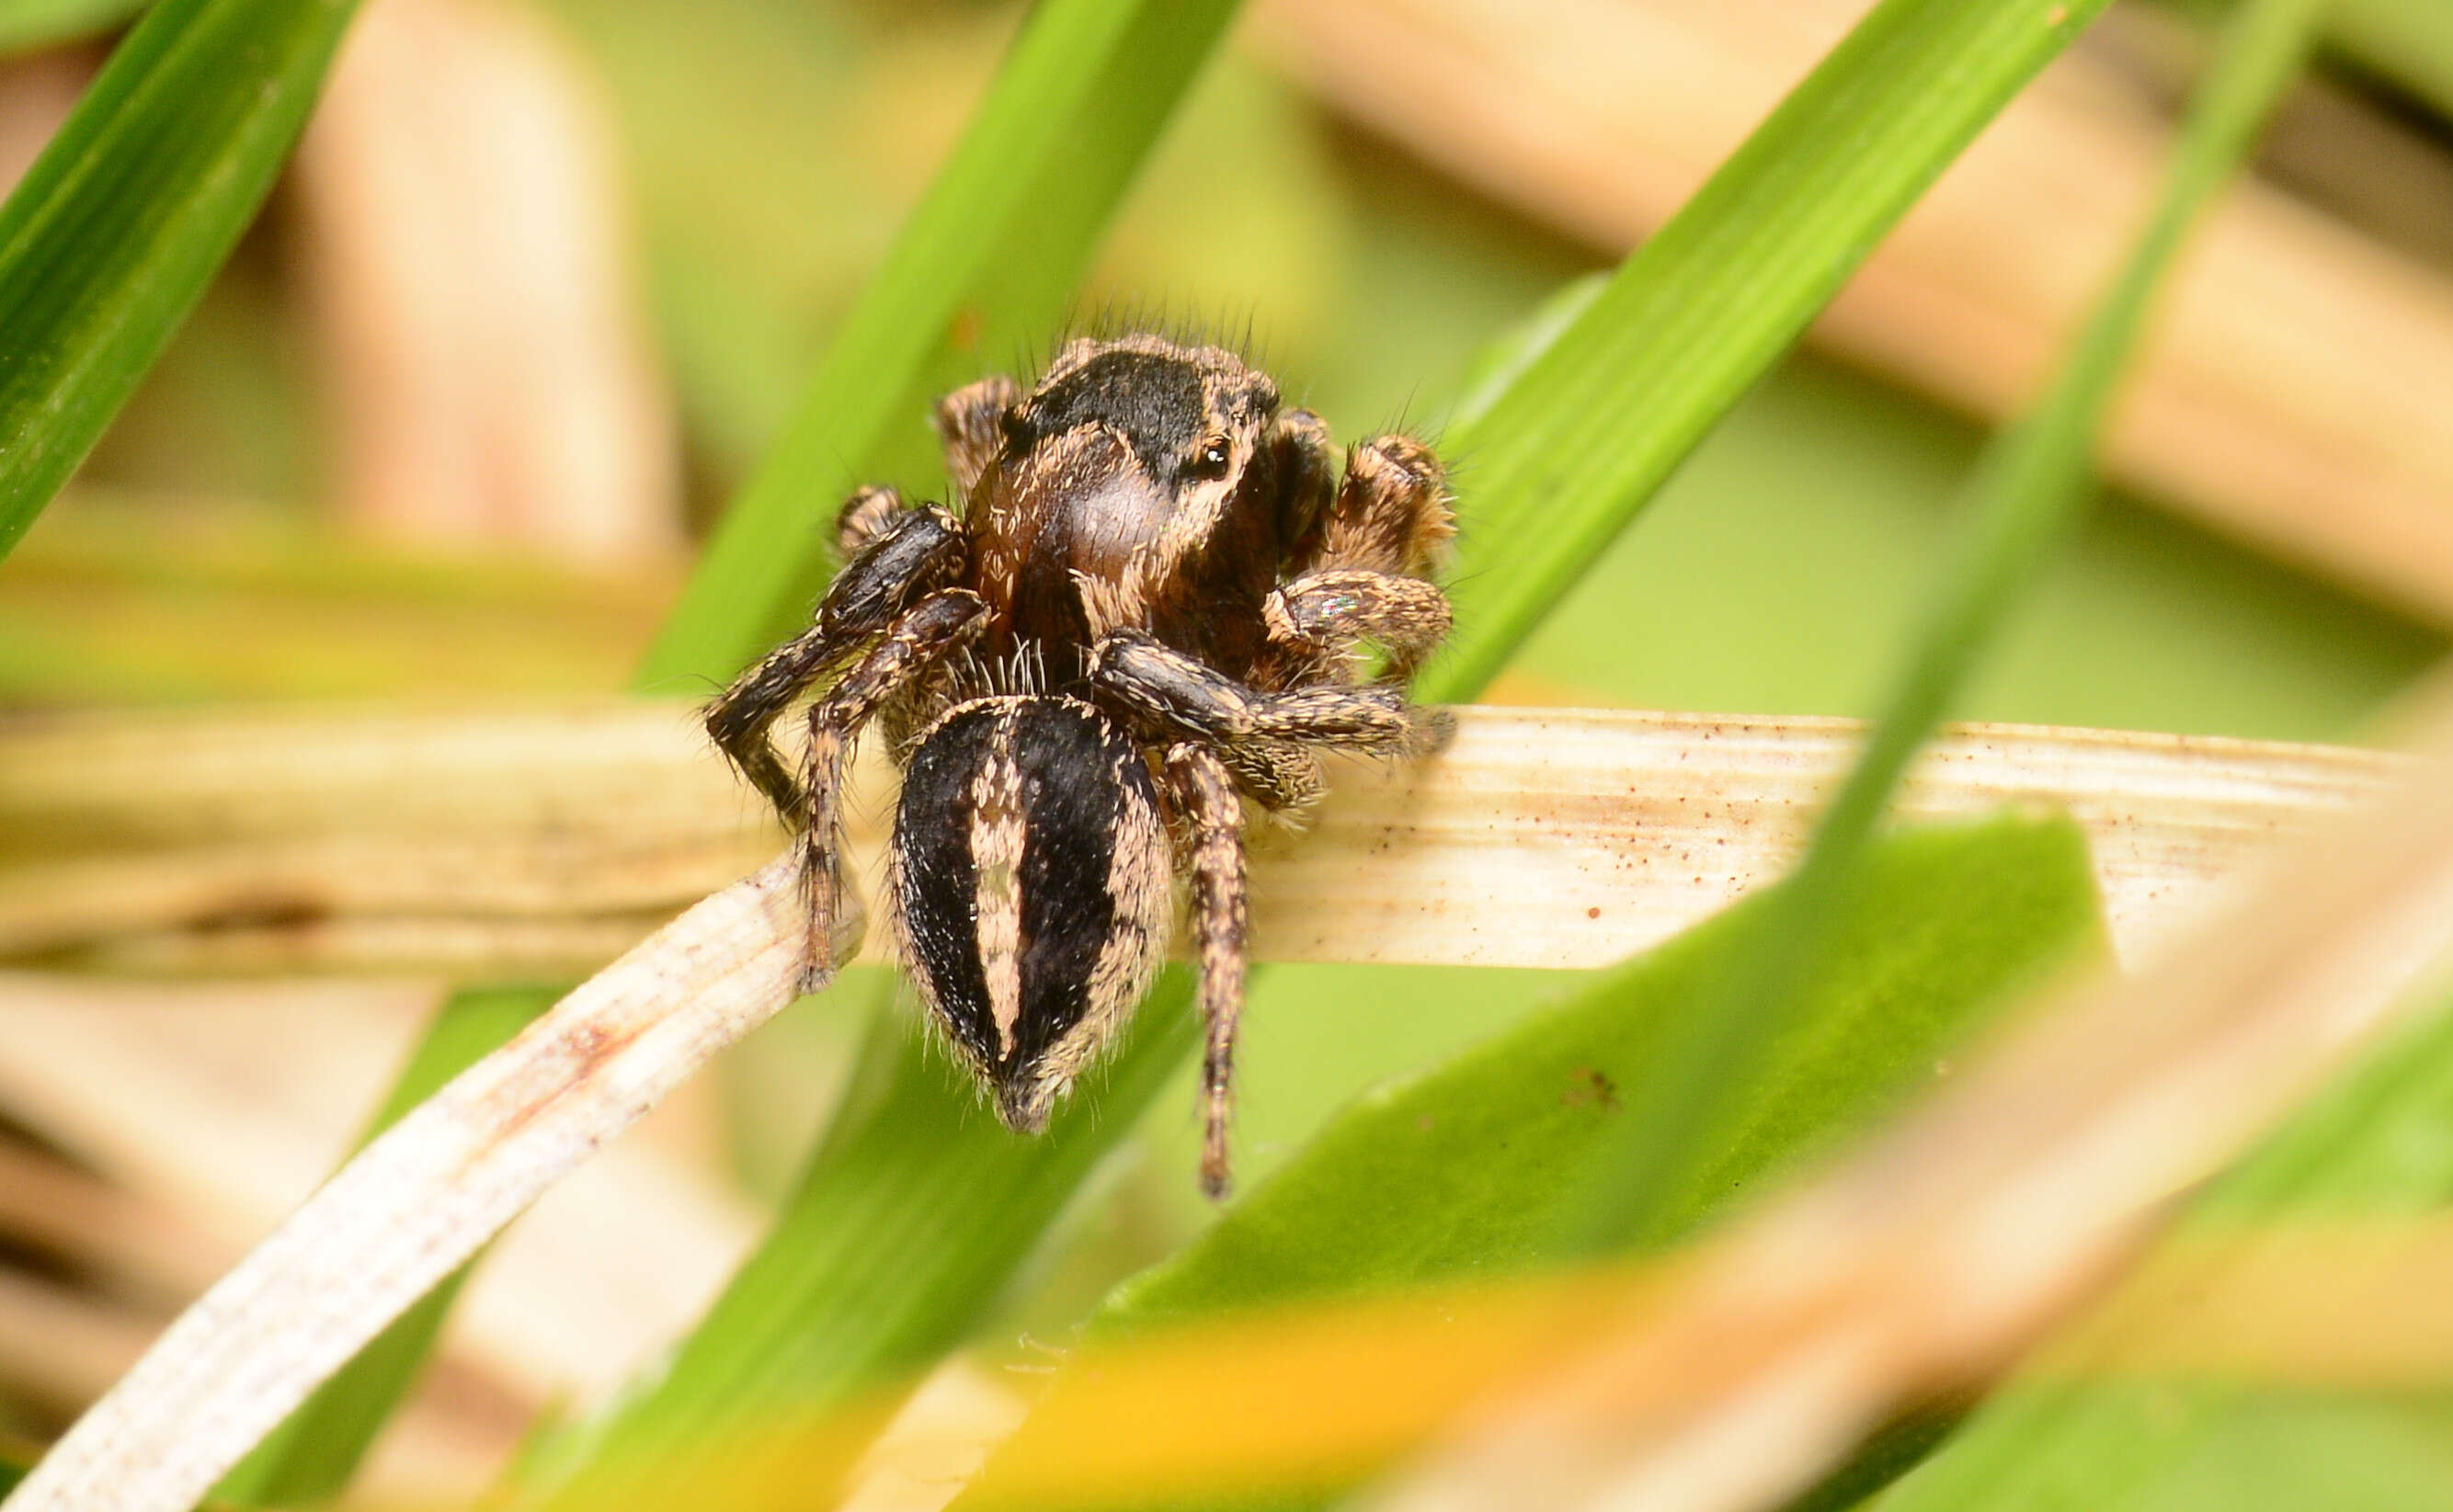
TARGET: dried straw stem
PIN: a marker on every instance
(421, 1199)
(548, 839)
(1659, 816)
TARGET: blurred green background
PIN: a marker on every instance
(769, 151)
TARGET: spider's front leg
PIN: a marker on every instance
(906, 553)
(1180, 693)
(919, 638)
(1267, 739)
(1203, 796)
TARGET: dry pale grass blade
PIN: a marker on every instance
(169, 1091)
(50, 1207)
(1997, 1208)
(465, 234)
(62, 1343)
(556, 837)
(2293, 391)
(425, 1196)
(166, 1090)
(173, 596)
(420, 1200)
(60, 1348)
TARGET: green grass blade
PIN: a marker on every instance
(2408, 41)
(2030, 492)
(113, 232)
(28, 25)
(1950, 921)
(983, 268)
(1559, 464)
(2378, 1146)
(311, 1456)
(918, 1210)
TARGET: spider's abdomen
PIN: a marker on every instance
(1031, 890)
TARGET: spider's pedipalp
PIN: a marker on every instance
(1391, 513)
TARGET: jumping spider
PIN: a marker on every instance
(1148, 611)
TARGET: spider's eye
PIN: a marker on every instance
(1211, 460)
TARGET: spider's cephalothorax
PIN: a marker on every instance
(1148, 611)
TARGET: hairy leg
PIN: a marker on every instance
(919, 638)
(1306, 464)
(1391, 512)
(1205, 800)
(1180, 693)
(865, 516)
(1322, 614)
(917, 550)
(970, 421)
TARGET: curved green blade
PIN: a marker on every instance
(111, 236)
(986, 262)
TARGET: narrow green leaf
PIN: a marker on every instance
(1453, 1174)
(2407, 41)
(113, 232)
(27, 25)
(309, 1459)
(918, 1210)
(2376, 1146)
(1579, 442)
(986, 265)
(1450, 1174)
(2030, 492)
